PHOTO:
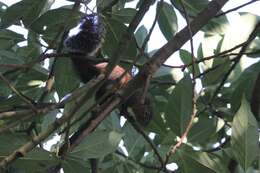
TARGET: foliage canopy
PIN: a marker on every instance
(223, 108)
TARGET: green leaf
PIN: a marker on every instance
(254, 19)
(167, 20)
(215, 26)
(28, 53)
(36, 160)
(245, 136)
(188, 159)
(202, 129)
(97, 144)
(124, 15)
(28, 11)
(160, 97)
(217, 69)
(112, 122)
(53, 20)
(186, 57)
(179, 107)
(65, 77)
(9, 38)
(75, 165)
(33, 40)
(3, 8)
(103, 4)
(254, 47)
(244, 85)
(114, 32)
(134, 142)
(9, 57)
(141, 1)
(140, 36)
(192, 7)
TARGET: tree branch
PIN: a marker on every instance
(236, 8)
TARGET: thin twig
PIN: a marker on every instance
(18, 93)
(236, 8)
(193, 113)
(225, 53)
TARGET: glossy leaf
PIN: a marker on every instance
(97, 144)
(9, 57)
(9, 38)
(217, 25)
(134, 142)
(124, 15)
(179, 107)
(114, 32)
(65, 77)
(244, 139)
(48, 22)
(103, 4)
(167, 20)
(3, 7)
(140, 36)
(186, 57)
(75, 165)
(200, 161)
(244, 85)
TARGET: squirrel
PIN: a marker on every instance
(88, 41)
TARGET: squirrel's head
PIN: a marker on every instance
(87, 36)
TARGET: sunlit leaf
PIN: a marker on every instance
(140, 36)
(244, 85)
(167, 20)
(186, 57)
(244, 139)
